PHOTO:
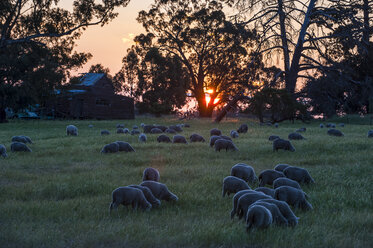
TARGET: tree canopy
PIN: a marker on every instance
(37, 39)
(214, 51)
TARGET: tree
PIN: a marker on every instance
(161, 81)
(36, 45)
(348, 88)
(292, 30)
(125, 79)
(214, 50)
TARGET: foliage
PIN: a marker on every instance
(37, 39)
(347, 86)
(59, 195)
(162, 84)
(278, 103)
(215, 51)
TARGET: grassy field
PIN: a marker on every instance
(59, 195)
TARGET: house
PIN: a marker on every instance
(93, 97)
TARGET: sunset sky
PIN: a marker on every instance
(109, 44)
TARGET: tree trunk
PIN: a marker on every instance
(292, 75)
(229, 106)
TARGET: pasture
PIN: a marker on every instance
(59, 195)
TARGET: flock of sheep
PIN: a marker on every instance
(264, 206)
(144, 196)
(260, 207)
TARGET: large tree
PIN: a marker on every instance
(157, 81)
(290, 31)
(214, 50)
(37, 39)
(348, 87)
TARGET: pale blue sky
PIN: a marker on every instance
(108, 44)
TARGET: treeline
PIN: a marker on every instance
(288, 58)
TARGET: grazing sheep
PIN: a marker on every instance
(179, 139)
(370, 134)
(215, 132)
(282, 144)
(258, 217)
(19, 139)
(294, 197)
(295, 136)
(129, 196)
(330, 125)
(160, 191)
(300, 175)
(237, 196)
(120, 130)
(234, 134)
(224, 144)
(335, 132)
(148, 195)
(156, 130)
(170, 130)
(281, 167)
(176, 128)
(213, 139)
(244, 171)
(142, 137)
(283, 181)
(163, 138)
(276, 125)
(267, 191)
(273, 137)
(72, 130)
(301, 130)
(147, 128)
(246, 200)
(243, 128)
(3, 151)
(135, 131)
(110, 148)
(19, 147)
(268, 176)
(126, 130)
(142, 125)
(135, 127)
(124, 146)
(321, 125)
(105, 132)
(150, 174)
(90, 126)
(341, 124)
(163, 128)
(225, 137)
(120, 126)
(284, 209)
(233, 184)
(27, 139)
(277, 216)
(196, 138)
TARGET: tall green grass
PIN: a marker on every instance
(59, 195)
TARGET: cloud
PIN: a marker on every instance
(129, 39)
(126, 40)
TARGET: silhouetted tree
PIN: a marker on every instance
(36, 45)
(215, 51)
